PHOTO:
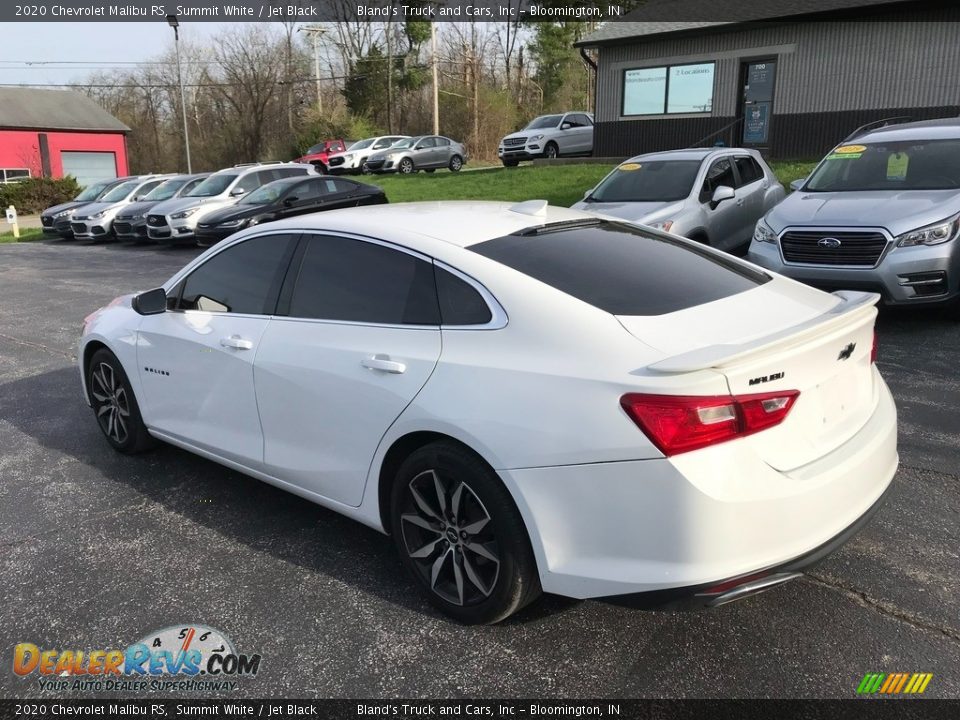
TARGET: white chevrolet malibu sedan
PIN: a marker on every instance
(527, 398)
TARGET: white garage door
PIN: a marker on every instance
(89, 167)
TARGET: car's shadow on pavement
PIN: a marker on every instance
(47, 408)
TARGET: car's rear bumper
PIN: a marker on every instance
(697, 519)
(904, 276)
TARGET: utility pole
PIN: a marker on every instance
(316, 32)
(436, 85)
(390, 76)
(173, 22)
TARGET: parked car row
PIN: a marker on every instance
(388, 154)
(201, 208)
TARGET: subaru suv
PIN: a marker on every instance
(549, 136)
(175, 221)
(880, 212)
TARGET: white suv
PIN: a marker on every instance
(175, 221)
(549, 136)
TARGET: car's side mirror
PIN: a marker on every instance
(723, 192)
(586, 193)
(151, 302)
(798, 183)
(565, 126)
(236, 192)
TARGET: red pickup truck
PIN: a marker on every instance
(318, 154)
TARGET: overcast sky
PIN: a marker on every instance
(85, 44)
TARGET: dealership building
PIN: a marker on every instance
(791, 84)
(55, 133)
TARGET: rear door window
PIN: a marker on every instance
(622, 270)
(749, 170)
(357, 281)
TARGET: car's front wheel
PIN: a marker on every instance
(551, 150)
(461, 536)
(406, 166)
(114, 404)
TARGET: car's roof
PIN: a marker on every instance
(460, 223)
(939, 129)
(689, 154)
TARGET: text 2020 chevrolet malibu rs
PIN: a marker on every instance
(525, 397)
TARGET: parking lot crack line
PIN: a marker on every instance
(884, 608)
(39, 346)
(9, 545)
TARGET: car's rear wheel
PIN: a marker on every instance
(551, 150)
(456, 162)
(115, 405)
(405, 166)
(461, 536)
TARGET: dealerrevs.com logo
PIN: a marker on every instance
(178, 658)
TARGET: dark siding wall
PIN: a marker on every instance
(831, 77)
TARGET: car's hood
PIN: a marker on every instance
(897, 211)
(96, 207)
(72, 205)
(527, 133)
(234, 212)
(138, 208)
(638, 212)
(173, 205)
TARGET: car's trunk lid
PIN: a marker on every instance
(764, 342)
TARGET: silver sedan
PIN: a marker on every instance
(714, 195)
(424, 152)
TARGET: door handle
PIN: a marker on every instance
(739, 202)
(384, 364)
(237, 342)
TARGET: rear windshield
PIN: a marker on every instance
(621, 269)
(905, 165)
(648, 181)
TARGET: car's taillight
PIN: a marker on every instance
(680, 423)
(873, 349)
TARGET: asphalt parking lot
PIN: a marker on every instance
(98, 549)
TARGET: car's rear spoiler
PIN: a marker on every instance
(713, 356)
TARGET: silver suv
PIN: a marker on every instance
(549, 136)
(880, 212)
(711, 195)
(175, 221)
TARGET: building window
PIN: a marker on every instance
(9, 175)
(668, 90)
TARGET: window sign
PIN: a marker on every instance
(756, 123)
(644, 91)
(690, 89)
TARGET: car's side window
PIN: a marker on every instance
(191, 185)
(147, 188)
(308, 190)
(381, 144)
(442, 141)
(244, 278)
(351, 280)
(247, 183)
(720, 173)
(332, 186)
(748, 169)
(460, 302)
(426, 143)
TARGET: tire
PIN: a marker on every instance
(111, 396)
(551, 150)
(364, 170)
(456, 163)
(320, 168)
(478, 578)
(405, 167)
(510, 163)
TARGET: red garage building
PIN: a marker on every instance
(55, 133)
